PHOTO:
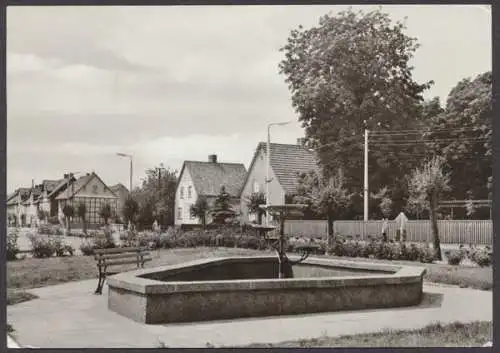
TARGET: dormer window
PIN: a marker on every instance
(189, 191)
(182, 192)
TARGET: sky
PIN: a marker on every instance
(168, 84)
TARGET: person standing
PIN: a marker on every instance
(385, 227)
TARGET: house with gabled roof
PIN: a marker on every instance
(15, 205)
(287, 162)
(91, 191)
(198, 178)
(122, 193)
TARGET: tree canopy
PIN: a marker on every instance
(350, 72)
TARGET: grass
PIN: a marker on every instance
(474, 334)
(461, 275)
(33, 273)
(15, 296)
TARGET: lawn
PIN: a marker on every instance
(456, 334)
(463, 275)
(32, 273)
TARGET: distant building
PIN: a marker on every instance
(51, 195)
(206, 179)
(15, 206)
(287, 162)
(122, 193)
(93, 192)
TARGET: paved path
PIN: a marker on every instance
(70, 316)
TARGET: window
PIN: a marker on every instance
(256, 186)
(189, 192)
(190, 214)
(179, 213)
(94, 189)
(182, 192)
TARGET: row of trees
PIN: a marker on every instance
(327, 196)
(353, 71)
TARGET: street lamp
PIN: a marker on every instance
(268, 150)
(131, 168)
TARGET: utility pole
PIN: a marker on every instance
(366, 177)
(268, 163)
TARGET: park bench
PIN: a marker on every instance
(115, 257)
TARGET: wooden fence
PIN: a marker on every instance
(477, 232)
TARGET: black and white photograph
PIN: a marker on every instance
(249, 176)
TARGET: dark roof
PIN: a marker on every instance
(208, 177)
(50, 185)
(77, 185)
(117, 187)
(59, 186)
(287, 162)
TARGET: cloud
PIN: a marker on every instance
(174, 83)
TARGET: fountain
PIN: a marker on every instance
(257, 286)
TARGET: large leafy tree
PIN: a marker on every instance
(222, 212)
(157, 195)
(349, 72)
(325, 195)
(254, 201)
(199, 209)
(462, 134)
(427, 185)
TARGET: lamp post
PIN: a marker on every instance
(268, 164)
(131, 166)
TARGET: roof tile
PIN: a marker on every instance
(208, 177)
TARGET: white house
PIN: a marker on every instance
(287, 162)
(206, 179)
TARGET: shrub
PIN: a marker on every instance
(454, 257)
(49, 229)
(104, 239)
(41, 246)
(87, 248)
(53, 220)
(12, 246)
(481, 257)
(253, 242)
(62, 249)
(427, 255)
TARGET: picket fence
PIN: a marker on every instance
(477, 232)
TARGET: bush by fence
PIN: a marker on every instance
(477, 232)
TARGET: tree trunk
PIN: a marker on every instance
(84, 225)
(68, 225)
(329, 238)
(434, 226)
(259, 217)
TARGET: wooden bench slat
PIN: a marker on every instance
(119, 250)
(127, 261)
(121, 256)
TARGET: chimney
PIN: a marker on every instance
(212, 158)
(65, 176)
(301, 141)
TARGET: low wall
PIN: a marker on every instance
(150, 301)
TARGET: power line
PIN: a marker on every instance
(427, 130)
(429, 141)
